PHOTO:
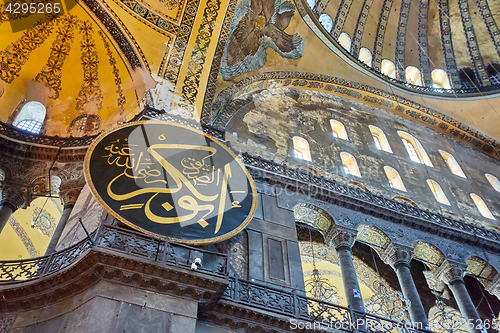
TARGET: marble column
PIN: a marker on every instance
(399, 258)
(68, 199)
(12, 197)
(452, 274)
(342, 240)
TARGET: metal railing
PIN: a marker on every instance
(116, 239)
(161, 250)
(299, 308)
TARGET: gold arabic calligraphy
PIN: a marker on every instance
(195, 172)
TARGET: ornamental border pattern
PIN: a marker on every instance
(24, 237)
(378, 45)
(472, 44)
(231, 99)
(488, 19)
(211, 87)
(399, 57)
(198, 57)
(423, 41)
(446, 41)
(342, 13)
(357, 36)
(115, 31)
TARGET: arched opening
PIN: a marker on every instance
(413, 75)
(438, 192)
(415, 149)
(495, 183)
(350, 166)
(345, 41)
(394, 178)
(327, 22)
(301, 149)
(440, 79)
(428, 254)
(452, 164)
(311, 3)
(338, 129)
(483, 209)
(361, 186)
(388, 68)
(380, 139)
(493, 71)
(31, 117)
(468, 78)
(365, 56)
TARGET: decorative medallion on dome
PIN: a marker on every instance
(257, 26)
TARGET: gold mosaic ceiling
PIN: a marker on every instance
(101, 57)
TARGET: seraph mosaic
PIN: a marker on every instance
(257, 26)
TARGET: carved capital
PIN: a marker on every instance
(14, 195)
(494, 286)
(396, 254)
(340, 237)
(69, 195)
(450, 271)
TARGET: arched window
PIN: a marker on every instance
(438, 192)
(413, 75)
(301, 148)
(468, 78)
(345, 41)
(388, 68)
(365, 56)
(338, 129)
(493, 71)
(380, 139)
(440, 79)
(31, 117)
(311, 3)
(415, 149)
(394, 178)
(327, 22)
(350, 165)
(483, 209)
(452, 164)
(493, 181)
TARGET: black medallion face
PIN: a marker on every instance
(170, 180)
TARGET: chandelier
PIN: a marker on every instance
(320, 288)
(387, 303)
(446, 320)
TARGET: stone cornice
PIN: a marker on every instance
(249, 319)
(103, 264)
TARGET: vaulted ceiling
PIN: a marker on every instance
(98, 64)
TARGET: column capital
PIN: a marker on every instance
(450, 272)
(396, 254)
(69, 195)
(14, 195)
(340, 237)
(494, 286)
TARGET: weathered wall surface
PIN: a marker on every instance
(266, 126)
